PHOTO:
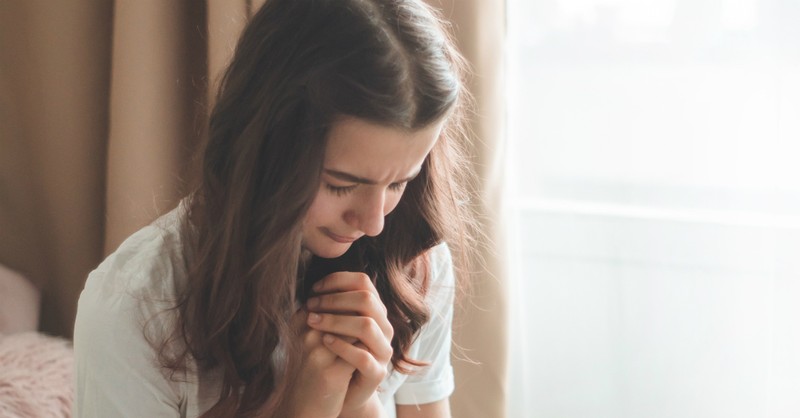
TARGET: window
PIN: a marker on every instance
(655, 159)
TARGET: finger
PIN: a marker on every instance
(359, 302)
(343, 281)
(317, 354)
(365, 329)
(313, 338)
(322, 358)
(371, 370)
(362, 302)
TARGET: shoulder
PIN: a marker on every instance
(149, 263)
(140, 280)
(441, 261)
(432, 344)
(442, 276)
(124, 309)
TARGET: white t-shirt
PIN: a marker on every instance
(116, 367)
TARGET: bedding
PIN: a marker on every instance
(36, 377)
(36, 370)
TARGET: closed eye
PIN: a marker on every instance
(343, 190)
(340, 190)
(398, 186)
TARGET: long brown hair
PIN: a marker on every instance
(298, 66)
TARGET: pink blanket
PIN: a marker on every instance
(35, 376)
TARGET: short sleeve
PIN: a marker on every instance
(116, 370)
(434, 382)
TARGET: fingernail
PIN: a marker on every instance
(314, 318)
(328, 339)
(313, 303)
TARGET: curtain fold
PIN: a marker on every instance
(54, 122)
(480, 332)
(156, 110)
(226, 19)
(102, 105)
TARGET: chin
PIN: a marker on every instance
(328, 251)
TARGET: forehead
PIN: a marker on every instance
(376, 151)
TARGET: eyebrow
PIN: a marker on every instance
(341, 175)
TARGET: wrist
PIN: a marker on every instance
(295, 412)
(371, 409)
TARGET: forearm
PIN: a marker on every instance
(372, 409)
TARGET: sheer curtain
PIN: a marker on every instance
(656, 204)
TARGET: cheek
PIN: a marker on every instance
(324, 207)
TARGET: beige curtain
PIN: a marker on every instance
(54, 87)
(480, 325)
(102, 105)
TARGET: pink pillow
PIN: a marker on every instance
(19, 303)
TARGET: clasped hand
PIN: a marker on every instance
(347, 348)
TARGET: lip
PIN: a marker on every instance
(338, 238)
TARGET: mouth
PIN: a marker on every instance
(338, 238)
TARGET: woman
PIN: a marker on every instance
(306, 276)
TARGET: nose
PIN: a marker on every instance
(368, 214)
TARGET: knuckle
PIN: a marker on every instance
(311, 339)
(318, 357)
(381, 373)
(372, 298)
(365, 296)
(365, 363)
(364, 280)
(365, 325)
(387, 355)
(330, 279)
(374, 371)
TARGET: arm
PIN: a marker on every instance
(118, 375)
(372, 409)
(438, 409)
(116, 371)
(426, 392)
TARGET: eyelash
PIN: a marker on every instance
(397, 186)
(340, 191)
(343, 190)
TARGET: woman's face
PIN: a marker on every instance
(364, 174)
